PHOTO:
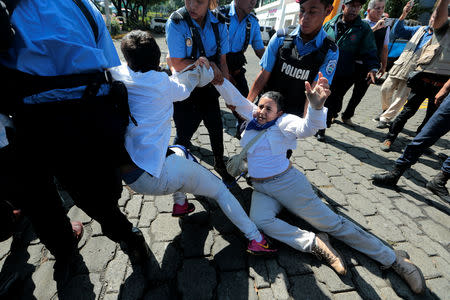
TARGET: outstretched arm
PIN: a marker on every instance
(233, 97)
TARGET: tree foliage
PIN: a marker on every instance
(134, 11)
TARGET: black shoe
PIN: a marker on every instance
(389, 179)
(377, 118)
(67, 267)
(226, 177)
(383, 124)
(320, 135)
(136, 248)
(437, 185)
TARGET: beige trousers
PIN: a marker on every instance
(394, 94)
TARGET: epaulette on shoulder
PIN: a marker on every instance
(330, 43)
(177, 15)
(221, 13)
(252, 14)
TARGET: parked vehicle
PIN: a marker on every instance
(266, 33)
(158, 25)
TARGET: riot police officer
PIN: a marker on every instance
(193, 31)
(291, 58)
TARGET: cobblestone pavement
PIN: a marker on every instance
(203, 256)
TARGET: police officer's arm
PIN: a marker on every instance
(178, 45)
(257, 42)
(259, 52)
(258, 85)
(441, 14)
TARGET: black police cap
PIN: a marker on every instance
(329, 2)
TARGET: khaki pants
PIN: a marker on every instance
(394, 94)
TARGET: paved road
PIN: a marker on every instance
(203, 255)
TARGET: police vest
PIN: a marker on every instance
(291, 70)
(235, 60)
(197, 45)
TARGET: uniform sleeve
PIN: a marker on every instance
(104, 40)
(270, 55)
(257, 42)
(328, 67)
(224, 43)
(175, 38)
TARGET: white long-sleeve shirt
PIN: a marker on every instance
(150, 98)
(267, 157)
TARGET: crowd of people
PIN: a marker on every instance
(79, 119)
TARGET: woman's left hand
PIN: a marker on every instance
(317, 95)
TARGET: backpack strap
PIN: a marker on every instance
(215, 27)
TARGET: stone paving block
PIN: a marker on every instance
(368, 280)
(334, 283)
(328, 169)
(440, 288)
(315, 156)
(307, 287)
(343, 184)
(438, 216)
(347, 296)
(115, 272)
(222, 225)
(353, 177)
(333, 196)
(353, 215)
(295, 262)
(205, 279)
(304, 162)
(417, 238)
(441, 265)
(361, 204)
(165, 228)
(258, 271)
(165, 262)
(421, 259)
(384, 229)
(35, 254)
(401, 288)
(264, 294)
(388, 213)
(5, 247)
(236, 285)
(279, 280)
(148, 214)
(389, 294)
(133, 206)
(97, 253)
(408, 208)
(125, 196)
(77, 214)
(164, 203)
(162, 292)
(196, 240)
(45, 286)
(318, 178)
(148, 198)
(96, 229)
(229, 253)
(435, 231)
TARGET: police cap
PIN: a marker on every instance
(329, 2)
(360, 1)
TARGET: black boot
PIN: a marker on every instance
(136, 247)
(437, 185)
(219, 167)
(391, 178)
(320, 135)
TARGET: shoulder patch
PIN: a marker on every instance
(331, 66)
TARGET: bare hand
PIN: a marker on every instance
(218, 76)
(202, 61)
(317, 95)
(381, 72)
(231, 107)
(371, 77)
(380, 24)
(408, 8)
(440, 96)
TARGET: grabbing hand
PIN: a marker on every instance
(380, 24)
(218, 76)
(317, 95)
(202, 61)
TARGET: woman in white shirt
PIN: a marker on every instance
(277, 184)
(154, 169)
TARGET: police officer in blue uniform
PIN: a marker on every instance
(293, 57)
(193, 31)
(68, 126)
(243, 29)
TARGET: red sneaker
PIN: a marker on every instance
(182, 210)
(260, 248)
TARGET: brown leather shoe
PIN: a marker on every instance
(323, 250)
(409, 272)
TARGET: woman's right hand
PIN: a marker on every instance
(218, 76)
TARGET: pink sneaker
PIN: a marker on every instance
(260, 248)
(182, 210)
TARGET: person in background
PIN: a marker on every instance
(375, 10)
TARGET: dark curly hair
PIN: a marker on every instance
(141, 51)
(277, 97)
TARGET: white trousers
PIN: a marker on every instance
(182, 175)
(394, 94)
(293, 191)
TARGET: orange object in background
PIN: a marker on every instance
(336, 9)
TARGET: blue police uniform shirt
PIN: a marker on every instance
(236, 31)
(179, 39)
(54, 38)
(406, 32)
(328, 67)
